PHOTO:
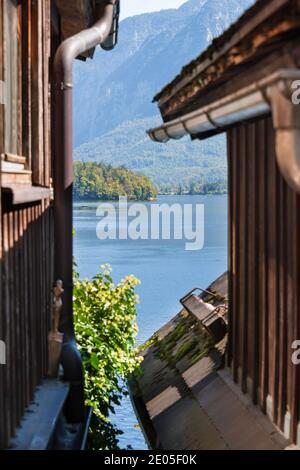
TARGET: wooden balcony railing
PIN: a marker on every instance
(25, 295)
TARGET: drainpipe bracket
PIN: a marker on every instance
(65, 86)
(2, 92)
(212, 121)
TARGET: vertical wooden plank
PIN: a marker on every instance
(1, 77)
(233, 227)
(39, 314)
(230, 249)
(295, 380)
(282, 320)
(290, 297)
(30, 267)
(46, 283)
(20, 274)
(12, 374)
(242, 284)
(235, 255)
(50, 256)
(19, 79)
(7, 326)
(24, 302)
(37, 93)
(21, 305)
(26, 82)
(46, 103)
(272, 254)
(296, 389)
(255, 268)
(251, 261)
(3, 411)
(45, 279)
(12, 315)
(34, 297)
(17, 314)
(262, 265)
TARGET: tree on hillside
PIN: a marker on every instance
(97, 181)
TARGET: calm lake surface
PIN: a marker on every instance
(166, 270)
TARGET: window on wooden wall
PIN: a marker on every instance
(40, 93)
(13, 161)
(26, 51)
(11, 43)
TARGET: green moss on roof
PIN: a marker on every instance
(187, 341)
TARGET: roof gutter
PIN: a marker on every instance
(63, 182)
(271, 94)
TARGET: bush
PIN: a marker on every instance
(106, 329)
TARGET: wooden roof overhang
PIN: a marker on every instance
(75, 15)
(246, 72)
(255, 37)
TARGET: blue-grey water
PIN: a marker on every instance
(166, 270)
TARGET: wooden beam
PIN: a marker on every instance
(9, 157)
(24, 193)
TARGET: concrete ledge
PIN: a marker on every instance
(40, 419)
(261, 419)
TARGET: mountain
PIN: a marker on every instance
(113, 93)
(167, 165)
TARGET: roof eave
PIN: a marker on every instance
(230, 46)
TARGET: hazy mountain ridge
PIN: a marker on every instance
(117, 88)
(168, 165)
(94, 80)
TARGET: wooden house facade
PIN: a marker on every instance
(27, 249)
(244, 85)
(31, 32)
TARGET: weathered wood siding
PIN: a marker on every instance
(264, 266)
(27, 276)
(2, 79)
(26, 229)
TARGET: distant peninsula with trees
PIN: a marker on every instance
(97, 181)
(100, 182)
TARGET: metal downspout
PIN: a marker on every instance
(63, 200)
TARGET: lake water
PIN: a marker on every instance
(166, 270)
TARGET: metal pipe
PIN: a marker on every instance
(63, 181)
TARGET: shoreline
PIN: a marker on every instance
(89, 201)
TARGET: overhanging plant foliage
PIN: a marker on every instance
(106, 329)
